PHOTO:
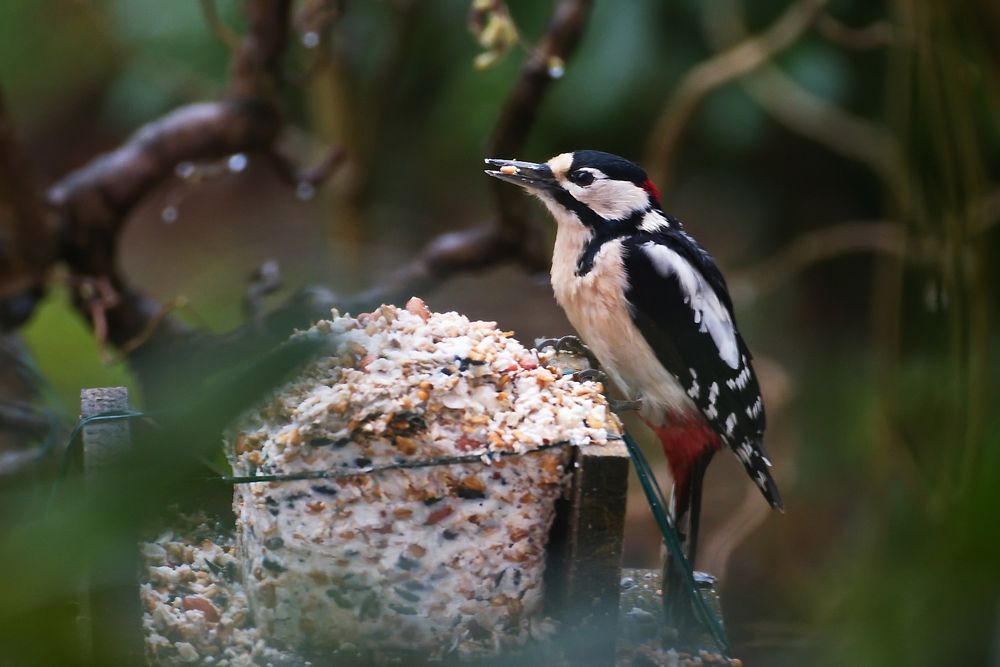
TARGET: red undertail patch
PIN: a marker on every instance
(685, 440)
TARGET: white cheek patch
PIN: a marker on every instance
(707, 310)
(610, 199)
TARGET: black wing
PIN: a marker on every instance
(682, 307)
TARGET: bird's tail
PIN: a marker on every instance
(751, 454)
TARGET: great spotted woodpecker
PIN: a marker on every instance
(653, 308)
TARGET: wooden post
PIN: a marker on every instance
(114, 608)
(586, 554)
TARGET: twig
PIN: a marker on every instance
(23, 417)
(825, 123)
(29, 242)
(714, 73)
(96, 198)
(521, 107)
(221, 31)
(472, 249)
(878, 236)
(152, 325)
(872, 36)
(94, 201)
(313, 175)
(266, 279)
(804, 112)
(510, 238)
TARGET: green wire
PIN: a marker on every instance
(370, 470)
(75, 442)
(657, 503)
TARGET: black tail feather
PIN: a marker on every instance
(758, 467)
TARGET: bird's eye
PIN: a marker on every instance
(581, 177)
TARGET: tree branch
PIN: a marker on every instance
(717, 71)
(468, 250)
(865, 38)
(804, 112)
(28, 234)
(93, 202)
(878, 236)
(542, 67)
(511, 237)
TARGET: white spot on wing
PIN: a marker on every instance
(713, 393)
(694, 390)
(707, 310)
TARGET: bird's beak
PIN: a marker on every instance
(531, 175)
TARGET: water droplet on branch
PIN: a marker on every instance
(169, 214)
(237, 162)
(305, 191)
(185, 170)
(556, 67)
(310, 40)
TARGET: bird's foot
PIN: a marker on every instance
(633, 405)
(590, 375)
(570, 345)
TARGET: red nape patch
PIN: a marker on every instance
(685, 440)
(651, 189)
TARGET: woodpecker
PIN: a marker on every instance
(652, 306)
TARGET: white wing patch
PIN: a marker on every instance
(707, 310)
(653, 221)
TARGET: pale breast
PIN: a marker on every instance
(596, 306)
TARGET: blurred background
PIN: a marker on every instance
(840, 159)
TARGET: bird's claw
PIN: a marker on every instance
(570, 345)
(590, 375)
(626, 406)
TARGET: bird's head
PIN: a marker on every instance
(584, 187)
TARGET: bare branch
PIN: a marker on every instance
(717, 71)
(94, 201)
(813, 117)
(804, 112)
(23, 417)
(29, 243)
(255, 71)
(313, 176)
(511, 238)
(878, 236)
(97, 198)
(221, 31)
(266, 279)
(865, 38)
(518, 115)
(472, 249)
